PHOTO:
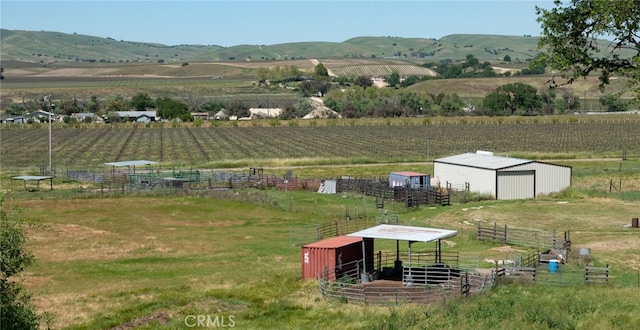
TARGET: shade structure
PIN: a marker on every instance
(410, 234)
(36, 178)
(131, 164)
(405, 233)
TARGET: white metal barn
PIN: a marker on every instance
(502, 177)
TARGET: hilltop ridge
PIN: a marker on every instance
(48, 47)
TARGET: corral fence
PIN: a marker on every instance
(352, 222)
(305, 234)
(524, 237)
(109, 181)
(104, 182)
(425, 282)
(462, 261)
(380, 189)
(565, 275)
(529, 267)
(418, 285)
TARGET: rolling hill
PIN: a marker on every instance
(46, 47)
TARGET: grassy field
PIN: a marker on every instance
(148, 262)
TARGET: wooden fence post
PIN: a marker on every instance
(495, 229)
(506, 240)
(586, 274)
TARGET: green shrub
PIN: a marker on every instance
(469, 197)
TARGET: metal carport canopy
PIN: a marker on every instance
(132, 163)
(405, 233)
(36, 178)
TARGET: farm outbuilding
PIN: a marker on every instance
(502, 177)
(409, 179)
(336, 255)
(138, 116)
(327, 187)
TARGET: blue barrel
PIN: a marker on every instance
(553, 266)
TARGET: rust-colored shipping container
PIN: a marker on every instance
(337, 254)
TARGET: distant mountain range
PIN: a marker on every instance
(47, 47)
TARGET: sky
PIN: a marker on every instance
(231, 23)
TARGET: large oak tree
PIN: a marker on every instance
(595, 36)
(509, 98)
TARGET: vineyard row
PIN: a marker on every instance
(197, 146)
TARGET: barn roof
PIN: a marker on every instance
(405, 233)
(409, 173)
(484, 161)
(136, 114)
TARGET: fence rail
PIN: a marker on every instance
(524, 237)
(349, 288)
(596, 275)
(380, 189)
(441, 275)
(306, 234)
(565, 275)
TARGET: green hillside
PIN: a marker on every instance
(47, 47)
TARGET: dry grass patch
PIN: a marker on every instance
(67, 242)
(615, 244)
(79, 72)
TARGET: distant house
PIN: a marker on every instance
(14, 120)
(262, 113)
(221, 115)
(137, 116)
(81, 116)
(40, 116)
(200, 115)
(37, 116)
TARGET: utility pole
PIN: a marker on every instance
(47, 99)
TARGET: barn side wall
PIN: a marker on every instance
(480, 180)
(549, 177)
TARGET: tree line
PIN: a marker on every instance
(570, 44)
(350, 97)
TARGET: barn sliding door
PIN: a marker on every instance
(516, 184)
